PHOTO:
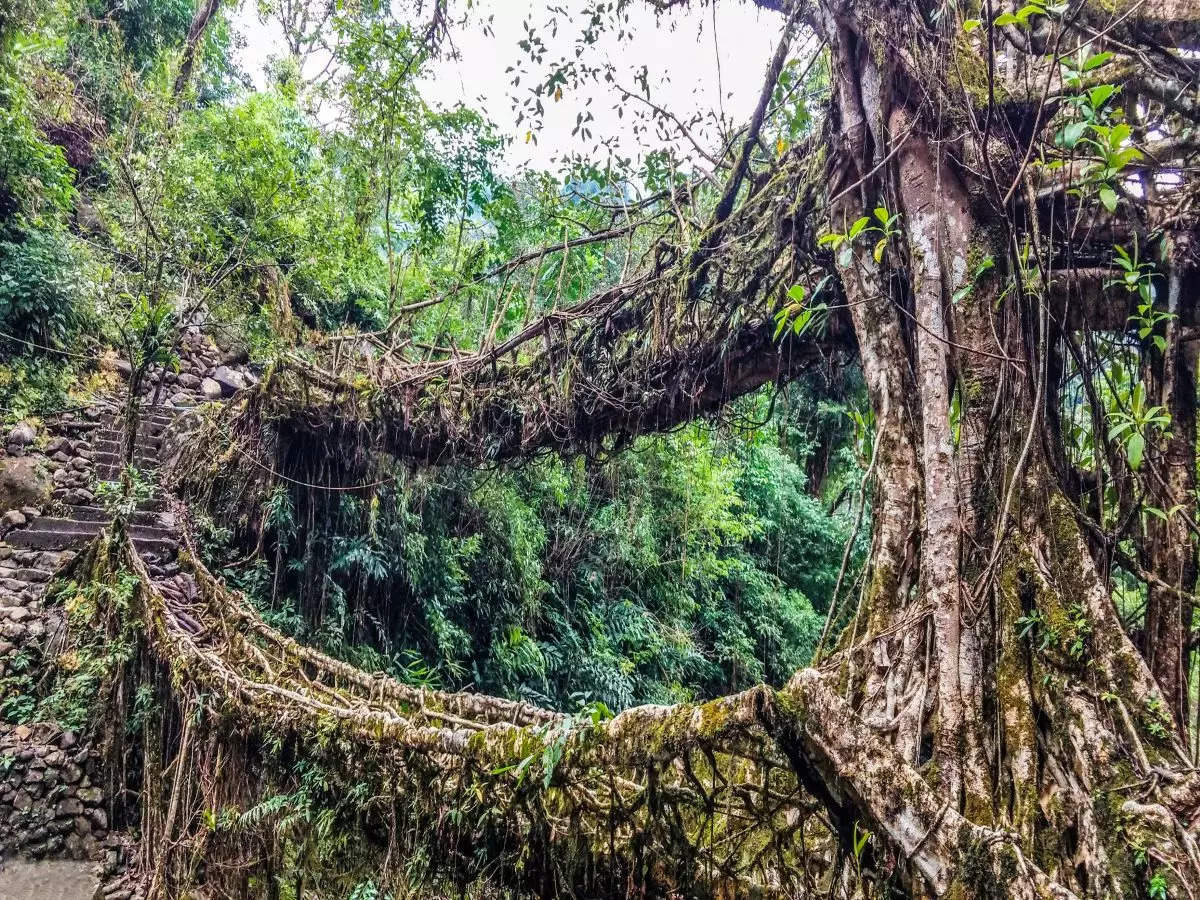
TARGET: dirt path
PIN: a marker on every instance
(21, 880)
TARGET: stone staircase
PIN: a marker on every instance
(152, 527)
(52, 806)
(50, 803)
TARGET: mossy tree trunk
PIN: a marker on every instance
(987, 649)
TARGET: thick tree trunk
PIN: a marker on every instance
(1004, 668)
(1170, 548)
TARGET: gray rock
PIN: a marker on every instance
(189, 381)
(24, 481)
(212, 389)
(21, 435)
(230, 380)
(12, 519)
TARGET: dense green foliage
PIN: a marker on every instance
(690, 565)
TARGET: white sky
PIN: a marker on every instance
(679, 49)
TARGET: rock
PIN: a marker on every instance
(212, 389)
(69, 807)
(56, 445)
(24, 481)
(68, 740)
(30, 512)
(230, 380)
(21, 435)
(22, 801)
(189, 381)
(12, 519)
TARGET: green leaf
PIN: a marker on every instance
(1108, 197)
(881, 214)
(800, 323)
(796, 293)
(1134, 448)
(833, 239)
(1096, 60)
(1006, 19)
(879, 248)
(857, 227)
(1071, 133)
(970, 25)
(1100, 93)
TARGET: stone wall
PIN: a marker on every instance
(50, 805)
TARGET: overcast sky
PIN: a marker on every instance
(680, 49)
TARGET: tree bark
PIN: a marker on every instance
(204, 13)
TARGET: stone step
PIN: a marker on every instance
(63, 534)
(115, 431)
(113, 445)
(141, 516)
(110, 459)
(27, 574)
(154, 421)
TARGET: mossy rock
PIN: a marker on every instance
(24, 481)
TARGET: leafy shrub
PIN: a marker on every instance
(33, 385)
(43, 290)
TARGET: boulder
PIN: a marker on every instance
(24, 481)
(12, 519)
(21, 435)
(230, 380)
(189, 381)
(211, 388)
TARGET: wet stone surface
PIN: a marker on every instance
(50, 880)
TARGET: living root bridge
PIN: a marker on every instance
(748, 795)
(690, 332)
